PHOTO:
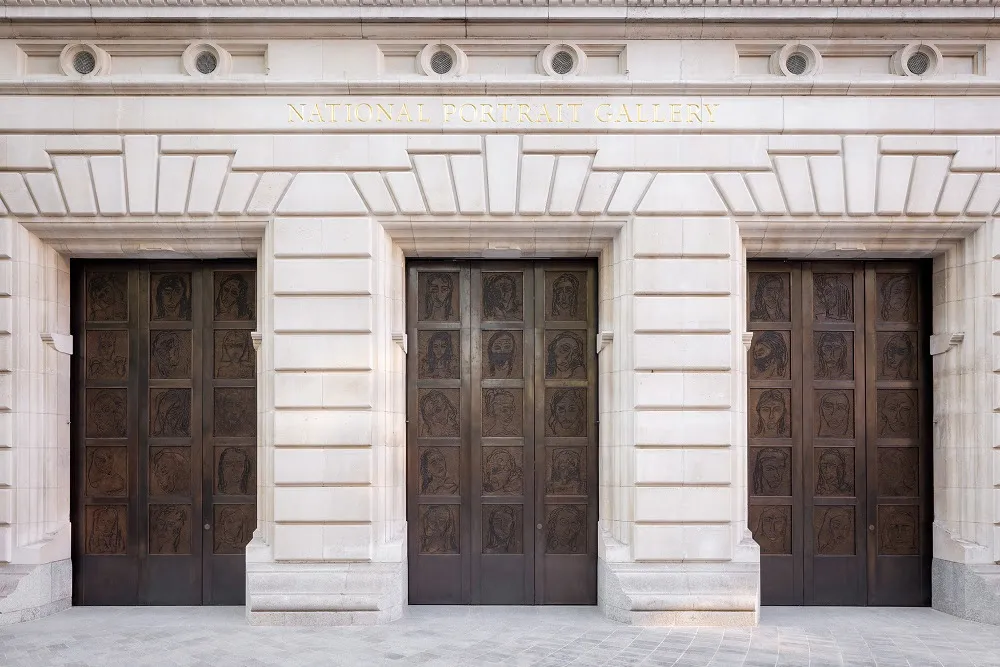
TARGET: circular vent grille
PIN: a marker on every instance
(206, 63)
(84, 62)
(442, 62)
(562, 62)
(796, 63)
(918, 63)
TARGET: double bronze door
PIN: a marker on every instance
(502, 433)
(838, 430)
(164, 430)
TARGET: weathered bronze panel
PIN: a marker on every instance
(107, 529)
(834, 530)
(502, 296)
(170, 297)
(235, 412)
(169, 529)
(439, 470)
(439, 527)
(771, 526)
(768, 358)
(234, 354)
(170, 471)
(169, 413)
(107, 355)
(503, 471)
(566, 529)
(438, 412)
(235, 296)
(898, 530)
(107, 472)
(770, 471)
(770, 413)
(107, 413)
(169, 354)
(233, 527)
(770, 297)
(503, 529)
(107, 296)
(439, 354)
(235, 471)
(503, 354)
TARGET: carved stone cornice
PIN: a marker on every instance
(552, 4)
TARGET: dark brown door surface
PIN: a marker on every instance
(838, 432)
(164, 430)
(502, 433)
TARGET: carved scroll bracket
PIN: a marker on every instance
(747, 339)
(942, 342)
(256, 337)
(400, 340)
(62, 343)
(604, 339)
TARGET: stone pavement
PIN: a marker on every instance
(219, 637)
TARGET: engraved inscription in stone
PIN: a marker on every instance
(897, 413)
(503, 471)
(768, 356)
(833, 527)
(438, 526)
(171, 297)
(235, 412)
(234, 526)
(565, 355)
(107, 529)
(896, 355)
(770, 299)
(437, 413)
(566, 529)
(438, 354)
(439, 470)
(898, 530)
(771, 526)
(234, 354)
(834, 471)
(107, 297)
(437, 296)
(896, 297)
(503, 412)
(169, 354)
(503, 529)
(234, 296)
(833, 297)
(107, 472)
(107, 355)
(834, 416)
(566, 470)
(565, 295)
(566, 412)
(169, 413)
(502, 296)
(503, 354)
(769, 413)
(898, 471)
(235, 471)
(170, 471)
(770, 471)
(834, 355)
(107, 411)
(169, 529)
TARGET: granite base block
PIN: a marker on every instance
(970, 591)
(28, 592)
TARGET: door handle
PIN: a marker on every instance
(871, 527)
(539, 526)
(208, 526)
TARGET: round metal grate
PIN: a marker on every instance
(206, 62)
(442, 62)
(918, 63)
(84, 62)
(562, 62)
(796, 63)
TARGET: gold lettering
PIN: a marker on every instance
(623, 112)
(357, 113)
(420, 114)
(293, 112)
(710, 109)
(675, 113)
(606, 118)
(316, 114)
(548, 115)
(404, 112)
(470, 107)
(382, 111)
(487, 113)
(576, 110)
(694, 111)
(449, 111)
(522, 113)
(638, 114)
(350, 118)
(506, 108)
(656, 114)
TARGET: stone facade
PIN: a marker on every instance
(673, 149)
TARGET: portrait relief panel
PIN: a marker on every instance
(438, 527)
(236, 471)
(503, 471)
(107, 413)
(768, 358)
(438, 413)
(107, 297)
(770, 471)
(898, 530)
(438, 353)
(566, 529)
(566, 471)
(503, 354)
(834, 413)
(897, 413)
(235, 412)
(169, 529)
(107, 472)
(503, 529)
(170, 471)
(565, 296)
(833, 528)
(503, 412)
(235, 358)
(896, 355)
(770, 414)
(834, 471)
(437, 296)
(896, 297)
(566, 412)
(170, 297)
(898, 471)
(234, 526)
(833, 297)
(565, 355)
(771, 526)
(234, 296)
(107, 355)
(439, 469)
(107, 529)
(770, 297)
(833, 357)
(502, 296)
(169, 413)
(169, 354)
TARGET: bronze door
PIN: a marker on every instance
(502, 433)
(164, 432)
(838, 432)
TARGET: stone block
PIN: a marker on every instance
(331, 237)
(296, 465)
(321, 194)
(323, 276)
(678, 352)
(682, 276)
(675, 465)
(322, 504)
(683, 504)
(323, 352)
(682, 314)
(322, 427)
(654, 542)
(321, 314)
(687, 427)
